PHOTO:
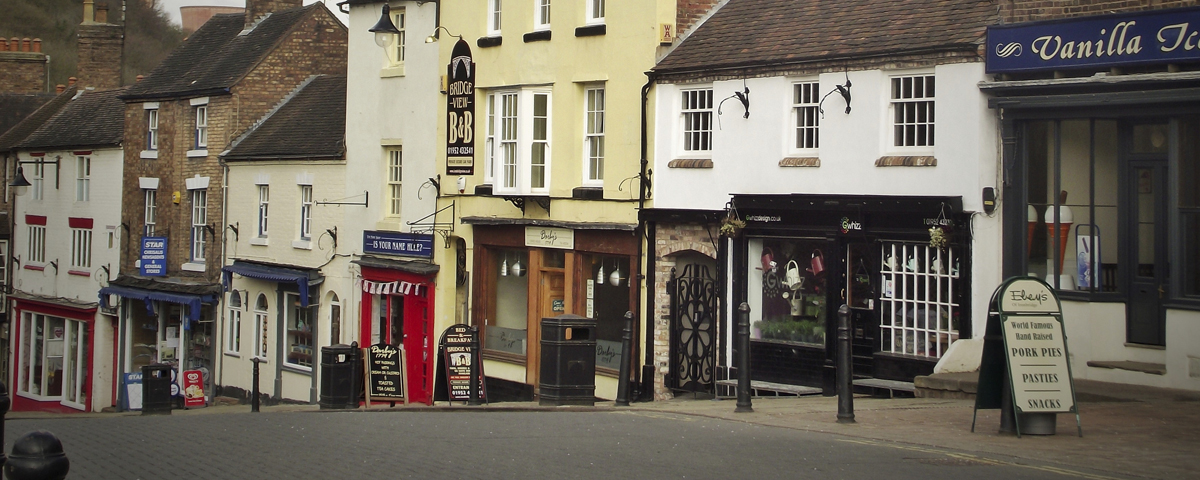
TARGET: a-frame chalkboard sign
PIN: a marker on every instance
(459, 347)
(1026, 344)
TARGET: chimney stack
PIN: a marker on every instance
(100, 49)
(256, 9)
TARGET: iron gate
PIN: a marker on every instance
(693, 329)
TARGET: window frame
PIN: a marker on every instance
(262, 309)
(804, 132)
(38, 180)
(152, 129)
(394, 179)
(306, 207)
(201, 126)
(150, 212)
(594, 12)
(264, 201)
(494, 17)
(695, 122)
(292, 316)
(489, 162)
(516, 136)
(199, 230)
(396, 51)
(896, 97)
(593, 134)
(541, 15)
(83, 178)
(77, 367)
(233, 325)
(81, 248)
(36, 250)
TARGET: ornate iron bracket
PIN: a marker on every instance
(433, 226)
(521, 201)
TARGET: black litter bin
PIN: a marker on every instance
(156, 389)
(568, 371)
(341, 370)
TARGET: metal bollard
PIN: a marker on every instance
(743, 343)
(626, 354)
(37, 456)
(254, 392)
(473, 396)
(844, 374)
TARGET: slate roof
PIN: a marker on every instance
(14, 107)
(14, 135)
(215, 57)
(94, 119)
(310, 124)
(749, 33)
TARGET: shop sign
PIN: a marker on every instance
(133, 390)
(549, 237)
(457, 359)
(460, 109)
(384, 372)
(397, 243)
(193, 388)
(1155, 37)
(850, 225)
(154, 256)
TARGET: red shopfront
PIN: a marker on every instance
(397, 309)
(54, 350)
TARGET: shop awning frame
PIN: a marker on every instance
(302, 278)
(193, 302)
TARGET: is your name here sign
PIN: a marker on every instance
(396, 243)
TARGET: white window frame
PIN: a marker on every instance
(489, 167)
(805, 129)
(911, 113)
(695, 122)
(38, 179)
(594, 14)
(152, 129)
(394, 178)
(83, 178)
(201, 127)
(594, 99)
(264, 206)
(262, 308)
(37, 245)
(73, 362)
(306, 206)
(81, 248)
(151, 211)
(493, 17)
(3, 274)
(396, 50)
(917, 302)
(516, 140)
(299, 332)
(233, 325)
(541, 15)
(199, 224)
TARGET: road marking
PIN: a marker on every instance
(667, 416)
(988, 461)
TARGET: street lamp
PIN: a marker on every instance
(436, 31)
(19, 182)
(385, 31)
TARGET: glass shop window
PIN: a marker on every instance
(1072, 203)
(299, 332)
(607, 298)
(507, 310)
(52, 361)
(1188, 206)
(787, 285)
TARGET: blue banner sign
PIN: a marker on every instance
(396, 243)
(154, 256)
(1162, 36)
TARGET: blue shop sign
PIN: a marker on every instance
(154, 256)
(1156, 37)
(396, 243)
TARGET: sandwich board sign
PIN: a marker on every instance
(459, 346)
(384, 373)
(1025, 351)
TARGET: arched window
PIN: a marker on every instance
(233, 324)
(260, 327)
(335, 320)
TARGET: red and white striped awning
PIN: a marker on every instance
(392, 288)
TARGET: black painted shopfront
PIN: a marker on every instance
(902, 265)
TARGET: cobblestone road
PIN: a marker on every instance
(491, 445)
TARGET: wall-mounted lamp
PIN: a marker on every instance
(385, 31)
(434, 37)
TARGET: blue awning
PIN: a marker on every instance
(270, 273)
(147, 296)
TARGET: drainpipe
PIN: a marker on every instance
(220, 328)
(647, 376)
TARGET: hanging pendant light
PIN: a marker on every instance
(600, 275)
(615, 278)
(504, 266)
(517, 269)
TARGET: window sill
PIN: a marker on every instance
(233, 354)
(261, 241)
(192, 267)
(392, 71)
(302, 244)
(300, 369)
(591, 30)
(906, 161)
(79, 273)
(537, 36)
(38, 268)
(503, 357)
(149, 154)
(588, 193)
(800, 162)
(486, 42)
(690, 163)
(197, 153)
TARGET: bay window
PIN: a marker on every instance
(520, 140)
(52, 361)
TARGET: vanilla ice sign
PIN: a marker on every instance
(1156, 37)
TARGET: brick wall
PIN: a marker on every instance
(258, 8)
(671, 240)
(688, 12)
(99, 63)
(22, 66)
(317, 45)
(1033, 10)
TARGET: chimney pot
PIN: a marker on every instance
(25, 44)
(3, 44)
(14, 44)
(140, 77)
(89, 12)
(102, 13)
(37, 45)
(59, 88)
(71, 81)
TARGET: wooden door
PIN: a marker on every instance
(551, 298)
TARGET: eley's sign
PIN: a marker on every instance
(1154, 37)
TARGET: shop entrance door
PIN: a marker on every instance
(1148, 275)
(552, 302)
(860, 295)
(416, 348)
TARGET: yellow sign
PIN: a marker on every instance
(550, 237)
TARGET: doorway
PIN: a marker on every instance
(860, 295)
(404, 320)
(552, 301)
(1148, 278)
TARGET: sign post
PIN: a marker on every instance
(460, 355)
(385, 369)
(1025, 353)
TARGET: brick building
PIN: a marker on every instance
(210, 90)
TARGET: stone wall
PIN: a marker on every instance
(671, 240)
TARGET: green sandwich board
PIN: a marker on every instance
(1025, 340)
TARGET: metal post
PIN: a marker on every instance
(5, 404)
(473, 399)
(845, 385)
(254, 392)
(626, 357)
(743, 343)
(38, 455)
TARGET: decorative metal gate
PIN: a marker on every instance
(693, 329)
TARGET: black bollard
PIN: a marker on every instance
(473, 396)
(844, 377)
(626, 357)
(254, 392)
(37, 456)
(5, 404)
(743, 343)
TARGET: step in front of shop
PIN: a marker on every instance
(760, 388)
(889, 388)
(947, 385)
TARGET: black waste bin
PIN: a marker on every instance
(341, 371)
(156, 389)
(568, 371)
